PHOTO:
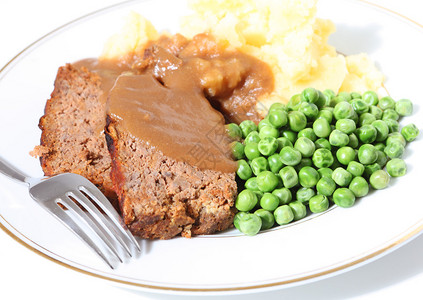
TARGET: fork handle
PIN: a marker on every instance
(13, 173)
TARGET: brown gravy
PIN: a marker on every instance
(168, 98)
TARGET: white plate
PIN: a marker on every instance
(317, 247)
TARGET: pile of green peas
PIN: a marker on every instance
(318, 149)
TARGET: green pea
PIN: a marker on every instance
(390, 114)
(278, 118)
(382, 130)
(353, 141)
(246, 200)
(325, 172)
(269, 202)
(394, 150)
(259, 164)
(277, 106)
(298, 209)
(359, 106)
(386, 103)
(345, 155)
(247, 126)
(251, 184)
(237, 218)
(396, 167)
(289, 176)
(370, 169)
(367, 154)
(367, 133)
(376, 112)
(275, 163)
(251, 151)
(283, 142)
(290, 135)
(305, 146)
(267, 218)
(284, 195)
(410, 132)
(321, 128)
(308, 133)
(380, 146)
(366, 119)
(308, 177)
(322, 100)
(252, 137)
(379, 179)
(250, 224)
(310, 95)
(329, 93)
(268, 131)
(322, 158)
(237, 150)
(244, 171)
(294, 102)
(355, 95)
(290, 156)
(325, 114)
(370, 97)
(318, 204)
(264, 122)
(396, 137)
(404, 107)
(304, 194)
(382, 158)
(322, 143)
(267, 181)
(338, 138)
(304, 162)
(359, 186)
(355, 168)
(347, 126)
(233, 131)
(343, 110)
(326, 186)
(346, 96)
(310, 110)
(341, 176)
(297, 120)
(283, 214)
(343, 197)
(335, 100)
(392, 124)
(267, 146)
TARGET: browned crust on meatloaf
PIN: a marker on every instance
(70, 141)
(161, 197)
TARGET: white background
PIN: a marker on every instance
(25, 274)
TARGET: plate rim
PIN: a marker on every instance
(398, 241)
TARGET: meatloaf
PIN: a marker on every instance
(161, 197)
(70, 139)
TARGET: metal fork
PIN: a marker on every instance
(83, 209)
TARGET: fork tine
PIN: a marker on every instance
(110, 227)
(103, 251)
(106, 206)
(78, 212)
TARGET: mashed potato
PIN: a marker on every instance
(284, 33)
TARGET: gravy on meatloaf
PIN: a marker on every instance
(171, 97)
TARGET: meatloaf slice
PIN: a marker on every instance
(72, 138)
(161, 197)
